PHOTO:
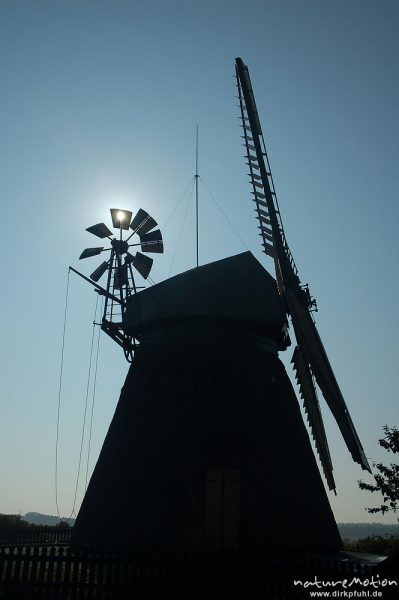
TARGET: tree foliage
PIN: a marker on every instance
(387, 478)
(374, 544)
(12, 522)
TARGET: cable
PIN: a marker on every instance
(59, 395)
(92, 403)
(182, 225)
(85, 412)
(177, 205)
(223, 213)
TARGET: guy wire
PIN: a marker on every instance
(59, 394)
(85, 412)
(182, 225)
(92, 403)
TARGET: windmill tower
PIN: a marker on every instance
(207, 449)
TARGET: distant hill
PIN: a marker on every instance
(348, 531)
(357, 531)
(39, 519)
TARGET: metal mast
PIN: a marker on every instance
(310, 359)
(196, 189)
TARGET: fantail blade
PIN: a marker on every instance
(88, 252)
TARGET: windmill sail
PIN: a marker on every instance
(308, 392)
(310, 358)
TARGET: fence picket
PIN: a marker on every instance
(58, 572)
(35, 534)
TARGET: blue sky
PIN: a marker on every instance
(100, 100)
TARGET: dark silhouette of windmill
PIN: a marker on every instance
(207, 448)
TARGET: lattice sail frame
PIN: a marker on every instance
(310, 359)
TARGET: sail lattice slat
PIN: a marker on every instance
(258, 162)
(311, 405)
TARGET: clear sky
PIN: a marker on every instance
(99, 104)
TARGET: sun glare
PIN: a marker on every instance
(121, 215)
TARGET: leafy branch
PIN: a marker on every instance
(387, 478)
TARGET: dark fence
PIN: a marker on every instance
(37, 534)
(51, 573)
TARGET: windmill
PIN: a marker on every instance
(120, 281)
(310, 360)
(207, 449)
